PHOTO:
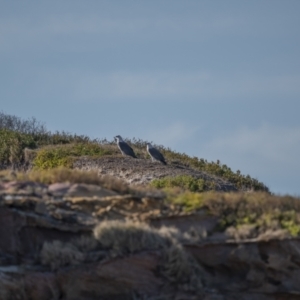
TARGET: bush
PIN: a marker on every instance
(130, 237)
(117, 238)
(188, 201)
(16, 124)
(63, 155)
(12, 145)
(184, 182)
(241, 182)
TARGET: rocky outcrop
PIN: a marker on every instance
(49, 249)
(143, 171)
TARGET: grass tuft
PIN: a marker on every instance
(129, 237)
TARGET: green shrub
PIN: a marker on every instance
(182, 181)
(290, 220)
(188, 201)
(63, 155)
(12, 145)
(216, 168)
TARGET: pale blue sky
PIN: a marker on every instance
(213, 79)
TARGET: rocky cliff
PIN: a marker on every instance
(87, 241)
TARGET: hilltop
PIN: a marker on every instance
(26, 144)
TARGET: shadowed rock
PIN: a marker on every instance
(48, 250)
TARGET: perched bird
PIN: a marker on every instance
(124, 147)
(155, 154)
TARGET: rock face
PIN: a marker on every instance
(63, 216)
(141, 171)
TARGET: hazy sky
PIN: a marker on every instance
(213, 79)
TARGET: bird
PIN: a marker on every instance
(124, 147)
(155, 154)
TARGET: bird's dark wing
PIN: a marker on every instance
(157, 155)
(126, 149)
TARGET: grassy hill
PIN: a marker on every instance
(28, 143)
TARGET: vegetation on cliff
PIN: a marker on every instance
(238, 214)
(28, 141)
(258, 211)
(184, 182)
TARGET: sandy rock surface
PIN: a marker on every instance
(143, 171)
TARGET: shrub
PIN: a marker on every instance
(63, 156)
(13, 123)
(183, 181)
(12, 145)
(240, 181)
(119, 238)
(188, 201)
(129, 237)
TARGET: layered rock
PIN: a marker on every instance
(49, 249)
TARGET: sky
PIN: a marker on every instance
(219, 80)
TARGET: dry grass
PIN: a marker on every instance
(67, 175)
(246, 232)
(119, 238)
(128, 237)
